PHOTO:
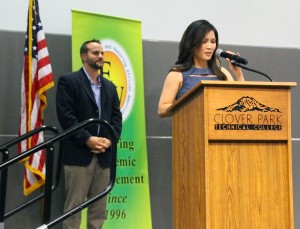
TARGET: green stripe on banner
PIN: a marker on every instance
(129, 202)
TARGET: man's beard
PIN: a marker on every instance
(95, 66)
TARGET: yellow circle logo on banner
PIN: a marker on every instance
(114, 71)
(118, 69)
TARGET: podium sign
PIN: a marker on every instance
(250, 114)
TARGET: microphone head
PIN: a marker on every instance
(218, 52)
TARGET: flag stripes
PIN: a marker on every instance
(37, 78)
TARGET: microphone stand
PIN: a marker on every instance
(235, 63)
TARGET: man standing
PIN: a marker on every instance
(82, 95)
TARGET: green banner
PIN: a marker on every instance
(128, 205)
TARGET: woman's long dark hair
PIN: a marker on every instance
(191, 40)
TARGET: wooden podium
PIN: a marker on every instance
(232, 156)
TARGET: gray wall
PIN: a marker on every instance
(279, 63)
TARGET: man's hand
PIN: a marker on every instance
(98, 144)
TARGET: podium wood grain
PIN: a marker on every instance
(240, 179)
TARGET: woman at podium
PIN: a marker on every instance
(196, 61)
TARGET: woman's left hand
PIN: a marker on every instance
(236, 70)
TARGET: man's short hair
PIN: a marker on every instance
(84, 49)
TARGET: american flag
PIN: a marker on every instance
(37, 78)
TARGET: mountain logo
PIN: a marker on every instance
(248, 104)
(248, 114)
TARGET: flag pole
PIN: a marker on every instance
(29, 105)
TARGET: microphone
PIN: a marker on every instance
(233, 57)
